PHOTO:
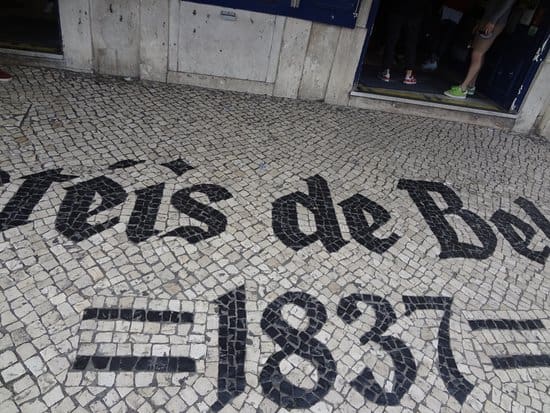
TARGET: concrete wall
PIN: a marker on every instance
(76, 31)
(182, 42)
(153, 44)
(197, 44)
(543, 127)
(534, 114)
(237, 46)
(291, 58)
(260, 53)
(115, 33)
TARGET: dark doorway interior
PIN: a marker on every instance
(31, 25)
(527, 17)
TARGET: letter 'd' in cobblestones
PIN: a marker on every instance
(319, 202)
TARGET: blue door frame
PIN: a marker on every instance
(512, 63)
(531, 72)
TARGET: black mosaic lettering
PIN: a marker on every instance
(534, 213)
(232, 332)
(319, 202)
(139, 315)
(519, 361)
(163, 364)
(215, 220)
(505, 324)
(301, 343)
(75, 209)
(435, 217)
(135, 363)
(402, 358)
(507, 224)
(514, 361)
(178, 166)
(360, 229)
(20, 206)
(81, 362)
(126, 163)
(454, 381)
(130, 314)
(141, 225)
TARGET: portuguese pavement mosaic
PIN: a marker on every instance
(166, 248)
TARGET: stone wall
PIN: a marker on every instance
(215, 47)
(203, 45)
(534, 115)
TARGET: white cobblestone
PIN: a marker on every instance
(91, 321)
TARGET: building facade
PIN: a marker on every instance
(305, 50)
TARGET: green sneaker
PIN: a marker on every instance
(471, 91)
(456, 92)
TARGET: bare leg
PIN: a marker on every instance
(475, 66)
(474, 81)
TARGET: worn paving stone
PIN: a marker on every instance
(168, 248)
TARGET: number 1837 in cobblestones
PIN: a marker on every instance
(304, 343)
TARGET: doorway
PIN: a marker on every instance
(30, 25)
(510, 64)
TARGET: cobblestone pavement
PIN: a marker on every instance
(167, 248)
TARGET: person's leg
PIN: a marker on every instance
(479, 49)
(413, 31)
(462, 91)
(476, 61)
(395, 22)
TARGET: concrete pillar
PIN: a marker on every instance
(346, 61)
(291, 58)
(153, 46)
(115, 28)
(543, 125)
(364, 12)
(74, 16)
(323, 40)
(536, 101)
